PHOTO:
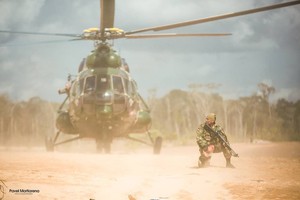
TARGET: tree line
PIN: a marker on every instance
(175, 116)
(26, 123)
(179, 113)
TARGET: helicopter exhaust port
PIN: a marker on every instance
(103, 57)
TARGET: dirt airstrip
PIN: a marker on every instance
(264, 170)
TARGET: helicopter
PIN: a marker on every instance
(103, 100)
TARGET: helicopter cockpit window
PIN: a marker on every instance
(118, 84)
(102, 83)
(90, 84)
(128, 87)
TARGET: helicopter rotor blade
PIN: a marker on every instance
(215, 18)
(163, 35)
(37, 33)
(107, 17)
(37, 43)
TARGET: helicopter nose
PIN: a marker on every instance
(104, 111)
(104, 97)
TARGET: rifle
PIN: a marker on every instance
(221, 137)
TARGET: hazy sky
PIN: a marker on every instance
(264, 47)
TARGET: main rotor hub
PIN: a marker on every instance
(108, 34)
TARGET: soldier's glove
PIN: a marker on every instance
(208, 150)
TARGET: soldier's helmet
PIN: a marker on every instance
(211, 117)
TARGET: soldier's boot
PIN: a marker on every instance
(204, 162)
(229, 164)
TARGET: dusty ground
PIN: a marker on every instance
(263, 171)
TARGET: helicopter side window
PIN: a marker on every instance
(90, 84)
(118, 84)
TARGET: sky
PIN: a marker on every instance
(264, 47)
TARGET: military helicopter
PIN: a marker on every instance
(103, 100)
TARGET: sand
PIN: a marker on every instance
(264, 170)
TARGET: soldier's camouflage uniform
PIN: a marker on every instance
(204, 139)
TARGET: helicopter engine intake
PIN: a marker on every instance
(103, 56)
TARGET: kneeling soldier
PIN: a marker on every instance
(209, 143)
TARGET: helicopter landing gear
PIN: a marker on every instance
(104, 143)
(103, 146)
(49, 144)
(157, 145)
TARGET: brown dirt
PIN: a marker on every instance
(263, 171)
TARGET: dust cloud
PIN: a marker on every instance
(263, 171)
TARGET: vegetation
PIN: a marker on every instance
(246, 119)
(26, 123)
(176, 116)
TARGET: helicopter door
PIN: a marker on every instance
(119, 94)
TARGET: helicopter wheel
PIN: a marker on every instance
(157, 145)
(49, 144)
(103, 146)
(107, 148)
